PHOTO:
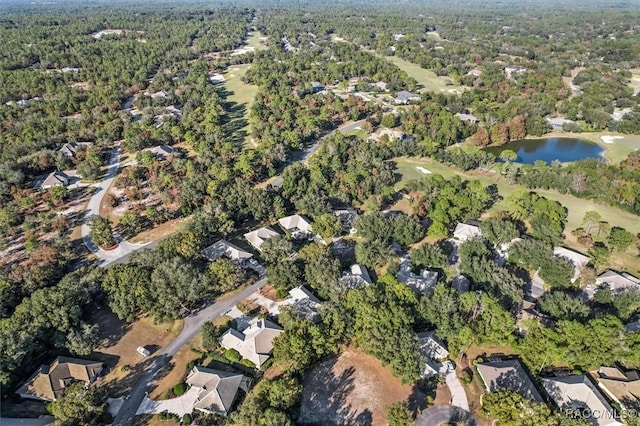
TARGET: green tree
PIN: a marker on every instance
(327, 225)
(399, 414)
(78, 406)
(225, 274)
(373, 253)
(429, 256)
(101, 232)
(130, 224)
(619, 239)
(499, 231)
(561, 305)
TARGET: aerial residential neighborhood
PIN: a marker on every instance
(311, 213)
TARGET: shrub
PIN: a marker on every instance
(186, 419)
(232, 355)
(247, 363)
(180, 389)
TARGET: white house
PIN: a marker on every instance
(465, 231)
(258, 236)
(223, 248)
(578, 260)
(56, 178)
(255, 343)
(298, 226)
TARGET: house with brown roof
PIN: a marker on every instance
(217, 390)
(621, 386)
(48, 382)
(508, 375)
(254, 343)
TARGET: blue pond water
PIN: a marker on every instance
(564, 150)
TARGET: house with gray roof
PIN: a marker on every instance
(305, 304)
(56, 178)
(162, 152)
(404, 97)
(357, 277)
(217, 390)
(508, 375)
(49, 381)
(578, 260)
(70, 149)
(422, 283)
(223, 248)
(254, 343)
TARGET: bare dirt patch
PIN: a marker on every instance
(119, 341)
(352, 388)
(157, 232)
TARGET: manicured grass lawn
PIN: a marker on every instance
(576, 207)
(241, 93)
(256, 40)
(426, 78)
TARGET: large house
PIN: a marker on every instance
(578, 260)
(257, 237)
(305, 304)
(161, 152)
(404, 97)
(255, 343)
(623, 387)
(508, 375)
(56, 178)
(223, 248)
(433, 350)
(578, 393)
(616, 281)
(356, 277)
(422, 283)
(465, 231)
(217, 390)
(70, 149)
(298, 226)
(48, 382)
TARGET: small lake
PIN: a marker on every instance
(563, 149)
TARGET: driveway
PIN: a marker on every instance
(458, 395)
(192, 326)
(445, 414)
(181, 405)
(124, 248)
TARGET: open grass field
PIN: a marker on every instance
(427, 79)
(241, 93)
(256, 40)
(576, 207)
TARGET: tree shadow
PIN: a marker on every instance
(325, 395)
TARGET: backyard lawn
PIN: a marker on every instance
(429, 81)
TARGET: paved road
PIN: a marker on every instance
(192, 326)
(445, 414)
(124, 248)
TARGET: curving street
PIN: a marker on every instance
(445, 414)
(124, 248)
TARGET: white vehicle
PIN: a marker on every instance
(143, 351)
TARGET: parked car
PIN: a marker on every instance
(143, 351)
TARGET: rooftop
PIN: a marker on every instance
(509, 375)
